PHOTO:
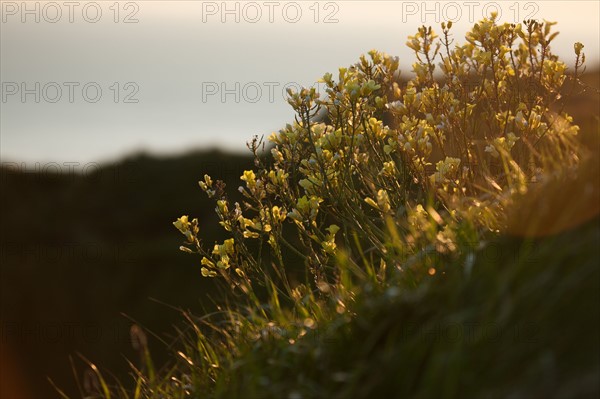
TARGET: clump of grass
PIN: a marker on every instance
(394, 226)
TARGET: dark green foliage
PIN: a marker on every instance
(523, 322)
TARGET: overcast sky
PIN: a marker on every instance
(95, 81)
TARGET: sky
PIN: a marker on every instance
(91, 82)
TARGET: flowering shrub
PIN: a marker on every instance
(459, 142)
(378, 185)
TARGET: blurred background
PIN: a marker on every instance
(110, 114)
(167, 74)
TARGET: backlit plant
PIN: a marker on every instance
(397, 166)
(378, 184)
(375, 212)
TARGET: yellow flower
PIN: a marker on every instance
(329, 246)
(333, 229)
(389, 168)
(278, 213)
(371, 202)
(277, 155)
(306, 184)
(245, 222)
(206, 184)
(222, 206)
(250, 178)
(223, 264)
(182, 224)
(228, 245)
(208, 273)
(383, 200)
(250, 234)
(520, 120)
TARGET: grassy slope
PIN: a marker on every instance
(518, 319)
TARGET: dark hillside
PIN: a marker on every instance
(77, 251)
